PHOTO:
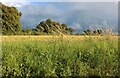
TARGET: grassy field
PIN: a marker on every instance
(60, 56)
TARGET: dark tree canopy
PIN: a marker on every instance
(10, 18)
(52, 27)
(94, 32)
(70, 30)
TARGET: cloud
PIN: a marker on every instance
(116, 1)
(19, 3)
(74, 0)
(15, 3)
(14, 0)
(79, 15)
(34, 13)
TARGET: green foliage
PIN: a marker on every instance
(99, 31)
(60, 57)
(53, 27)
(94, 32)
(88, 32)
(64, 26)
(27, 31)
(48, 21)
(70, 30)
(10, 20)
(40, 28)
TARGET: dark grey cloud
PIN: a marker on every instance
(79, 15)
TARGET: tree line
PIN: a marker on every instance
(10, 22)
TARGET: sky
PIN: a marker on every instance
(59, 0)
(79, 14)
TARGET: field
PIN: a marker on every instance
(59, 56)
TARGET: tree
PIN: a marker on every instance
(70, 30)
(64, 26)
(42, 23)
(48, 21)
(10, 20)
(27, 31)
(53, 27)
(40, 28)
(88, 32)
(99, 31)
(95, 32)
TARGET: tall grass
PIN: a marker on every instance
(60, 56)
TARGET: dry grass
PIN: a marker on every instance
(50, 37)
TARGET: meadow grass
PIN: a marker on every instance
(59, 56)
